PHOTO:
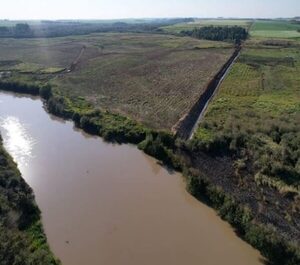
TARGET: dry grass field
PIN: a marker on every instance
(152, 78)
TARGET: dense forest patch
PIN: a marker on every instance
(234, 34)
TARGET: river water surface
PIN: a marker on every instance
(105, 204)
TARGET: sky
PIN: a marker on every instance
(112, 9)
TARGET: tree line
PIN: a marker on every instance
(225, 33)
(19, 30)
(65, 28)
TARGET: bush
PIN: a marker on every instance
(20, 88)
(271, 245)
(45, 92)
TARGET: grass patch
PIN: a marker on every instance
(275, 29)
(198, 23)
(52, 70)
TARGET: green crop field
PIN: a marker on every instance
(265, 81)
(275, 29)
(152, 78)
(198, 23)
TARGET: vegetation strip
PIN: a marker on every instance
(47, 29)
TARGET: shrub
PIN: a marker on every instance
(45, 92)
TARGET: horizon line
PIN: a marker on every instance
(141, 18)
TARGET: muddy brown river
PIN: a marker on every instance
(105, 204)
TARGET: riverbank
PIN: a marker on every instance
(176, 154)
(22, 239)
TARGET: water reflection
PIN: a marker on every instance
(111, 204)
(17, 141)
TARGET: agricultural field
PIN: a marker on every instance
(266, 79)
(33, 55)
(275, 29)
(151, 78)
(198, 23)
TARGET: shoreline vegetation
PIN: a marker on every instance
(22, 239)
(178, 155)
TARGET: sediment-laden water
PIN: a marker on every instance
(111, 204)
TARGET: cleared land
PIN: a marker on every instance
(152, 78)
(198, 23)
(33, 55)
